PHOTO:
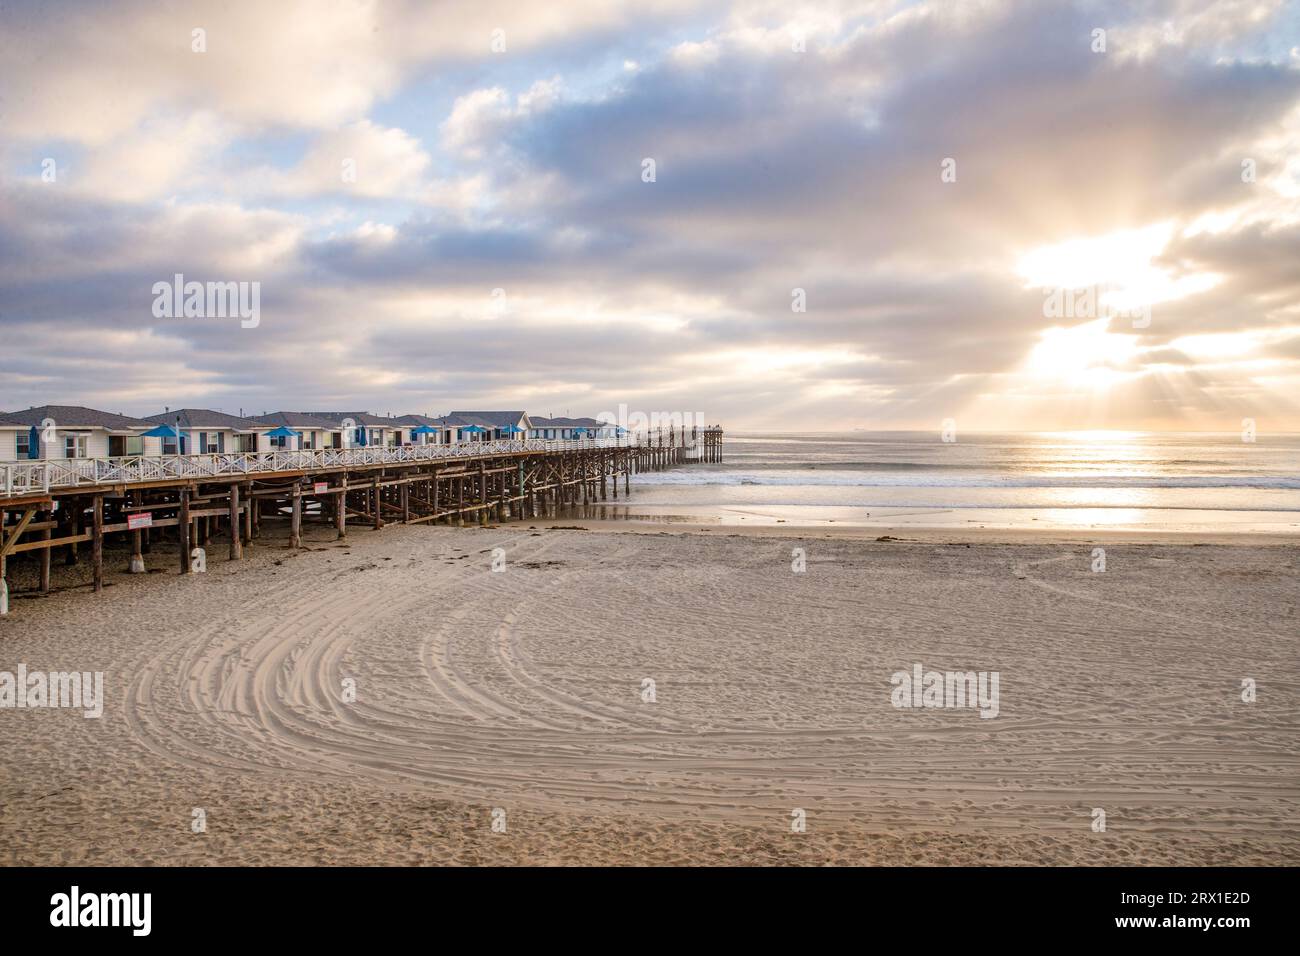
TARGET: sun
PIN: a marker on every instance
(1121, 267)
(1083, 356)
(1091, 281)
(1121, 258)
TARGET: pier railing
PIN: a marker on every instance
(43, 475)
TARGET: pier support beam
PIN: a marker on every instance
(482, 494)
(97, 543)
(183, 530)
(136, 565)
(72, 519)
(236, 549)
(7, 543)
(45, 556)
(295, 520)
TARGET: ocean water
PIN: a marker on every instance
(1115, 480)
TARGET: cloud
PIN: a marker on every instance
(479, 119)
(776, 170)
(155, 161)
(88, 71)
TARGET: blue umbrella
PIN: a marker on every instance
(473, 429)
(361, 436)
(424, 430)
(168, 431)
(511, 430)
(283, 432)
(34, 444)
(580, 431)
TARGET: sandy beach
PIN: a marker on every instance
(520, 697)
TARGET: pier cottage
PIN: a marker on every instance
(566, 429)
(14, 439)
(73, 431)
(208, 432)
(313, 432)
(494, 425)
(375, 431)
(446, 431)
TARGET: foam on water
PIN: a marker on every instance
(1123, 479)
(856, 480)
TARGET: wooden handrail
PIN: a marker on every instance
(43, 475)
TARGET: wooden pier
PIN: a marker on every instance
(67, 508)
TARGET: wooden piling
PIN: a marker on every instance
(183, 530)
(295, 520)
(72, 516)
(136, 564)
(482, 493)
(97, 543)
(45, 556)
(236, 549)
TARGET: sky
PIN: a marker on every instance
(1014, 215)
